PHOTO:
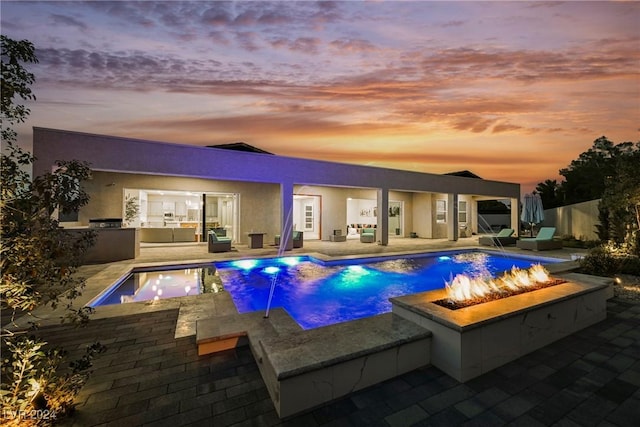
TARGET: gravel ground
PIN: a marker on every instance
(628, 288)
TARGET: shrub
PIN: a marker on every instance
(630, 265)
(40, 390)
(600, 261)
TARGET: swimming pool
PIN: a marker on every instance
(313, 292)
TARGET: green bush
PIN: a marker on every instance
(630, 265)
(600, 261)
(607, 260)
(39, 390)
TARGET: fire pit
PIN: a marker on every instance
(464, 291)
(477, 338)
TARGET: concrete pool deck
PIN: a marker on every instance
(152, 375)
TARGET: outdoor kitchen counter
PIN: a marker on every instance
(112, 244)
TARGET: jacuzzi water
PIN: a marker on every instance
(313, 292)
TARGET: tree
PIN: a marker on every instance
(550, 193)
(38, 260)
(586, 177)
(620, 204)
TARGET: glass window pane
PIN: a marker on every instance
(441, 211)
(462, 212)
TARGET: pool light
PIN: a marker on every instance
(245, 264)
(271, 269)
(291, 261)
(358, 269)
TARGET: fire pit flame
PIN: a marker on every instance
(464, 288)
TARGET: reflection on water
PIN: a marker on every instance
(476, 264)
(155, 285)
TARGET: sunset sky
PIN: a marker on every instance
(512, 91)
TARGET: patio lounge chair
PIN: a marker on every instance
(503, 238)
(542, 242)
(368, 235)
(218, 244)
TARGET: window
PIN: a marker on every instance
(462, 212)
(441, 211)
(308, 217)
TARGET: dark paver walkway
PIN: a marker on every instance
(147, 377)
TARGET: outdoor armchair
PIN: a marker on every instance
(218, 244)
(298, 239)
(368, 235)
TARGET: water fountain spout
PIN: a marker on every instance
(286, 232)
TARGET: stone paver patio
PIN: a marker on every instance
(149, 377)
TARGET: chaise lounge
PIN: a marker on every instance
(218, 244)
(503, 238)
(542, 242)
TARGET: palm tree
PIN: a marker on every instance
(549, 192)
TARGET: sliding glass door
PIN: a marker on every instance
(220, 214)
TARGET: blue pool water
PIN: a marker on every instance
(319, 294)
(315, 293)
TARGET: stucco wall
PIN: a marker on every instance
(578, 220)
(422, 209)
(333, 207)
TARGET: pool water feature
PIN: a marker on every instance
(317, 293)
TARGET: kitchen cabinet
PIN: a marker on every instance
(169, 207)
(181, 209)
(155, 209)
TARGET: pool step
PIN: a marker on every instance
(222, 333)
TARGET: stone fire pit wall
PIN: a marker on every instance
(474, 340)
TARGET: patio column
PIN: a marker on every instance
(286, 210)
(515, 216)
(383, 216)
(452, 217)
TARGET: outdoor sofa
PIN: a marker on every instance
(503, 238)
(544, 241)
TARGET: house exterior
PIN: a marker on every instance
(239, 192)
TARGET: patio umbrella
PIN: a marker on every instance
(532, 210)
